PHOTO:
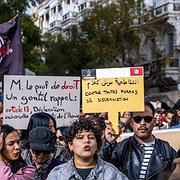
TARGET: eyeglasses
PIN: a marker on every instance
(147, 119)
(37, 152)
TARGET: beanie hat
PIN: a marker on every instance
(41, 139)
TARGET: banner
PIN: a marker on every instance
(11, 54)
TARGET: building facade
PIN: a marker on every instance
(58, 16)
(168, 42)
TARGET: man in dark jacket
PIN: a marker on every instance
(141, 156)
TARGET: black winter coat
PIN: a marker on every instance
(127, 156)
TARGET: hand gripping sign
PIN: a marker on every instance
(113, 90)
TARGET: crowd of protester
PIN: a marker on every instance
(88, 148)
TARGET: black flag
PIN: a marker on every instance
(11, 54)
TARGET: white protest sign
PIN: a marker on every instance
(25, 95)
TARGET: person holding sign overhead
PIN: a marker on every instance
(142, 156)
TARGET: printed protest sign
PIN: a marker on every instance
(113, 90)
(25, 95)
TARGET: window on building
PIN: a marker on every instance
(54, 9)
(81, 6)
(154, 3)
(53, 13)
(47, 17)
(66, 16)
(170, 44)
(74, 14)
(59, 8)
(92, 4)
(174, 63)
(42, 18)
(176, 7)
(41, 21)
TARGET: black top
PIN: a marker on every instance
(84, 172)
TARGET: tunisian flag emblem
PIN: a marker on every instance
(136, 71)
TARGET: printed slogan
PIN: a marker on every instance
(25, 95)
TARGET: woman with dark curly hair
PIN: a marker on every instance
(84, 140)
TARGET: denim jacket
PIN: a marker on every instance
(102, 171)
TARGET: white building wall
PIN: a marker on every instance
(70, 12)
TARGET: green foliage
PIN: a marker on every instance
(105, 37)
(110, 33)
(18, 5)
(66, 57)
(111, 36)
(31, 34)
(32, 43)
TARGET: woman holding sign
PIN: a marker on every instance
(12, 166)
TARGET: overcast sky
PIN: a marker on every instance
(31, 10)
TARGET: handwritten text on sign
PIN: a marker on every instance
(25, 95)
(113, 90)
(100, 95)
